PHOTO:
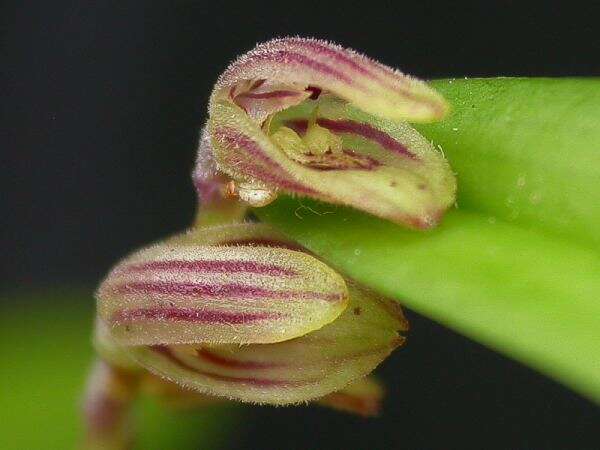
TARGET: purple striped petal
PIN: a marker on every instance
(205, 286)
(216, 205)
(369, 85)
(317, 364)
(259, 99)
(182, 307)
(382, 167)
(312, 119)
(363, 397)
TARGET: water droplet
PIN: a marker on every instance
(357, 252)
(255, 196)
(521, 181)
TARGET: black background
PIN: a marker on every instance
(101, 106)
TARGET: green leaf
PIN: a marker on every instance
(526, 151)
(517, 265)
(45, 342)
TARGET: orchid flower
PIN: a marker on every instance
(236, 310)
(312, 119)
(241, 312)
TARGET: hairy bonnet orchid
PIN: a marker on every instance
(236, 310)
(309, 118)
(182, 308)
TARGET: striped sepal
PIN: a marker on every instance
(290, 64)
(312, 119)
(301, 369)
(219, 285)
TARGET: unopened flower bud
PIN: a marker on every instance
(204, 287)
(181, 309)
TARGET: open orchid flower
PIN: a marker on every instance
(309, 118)
(181, 309)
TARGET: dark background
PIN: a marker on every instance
(101, 105)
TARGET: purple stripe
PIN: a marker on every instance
(231, 363)
(261, 382)
(285, 57)
(190, 315)
(368, 132)
(235, 139)
(271, 94)
(361, 129)
(219, 291)
(277, 180)
(336, 54)
(300, 126)
(216, 266)
(340, 56)
(371, 68)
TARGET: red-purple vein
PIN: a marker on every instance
(234, 138)
(269, 95)
(229, 290)
(210, 266)
(338, 56)
(368, 70)
(231, 363)
(190, 315)
(361, 129)
(285, 57)
(262, 382)
(276, 180)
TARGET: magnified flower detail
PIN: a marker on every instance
(312, 119)
(236, 311)
(203, 287)
(181, 309)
